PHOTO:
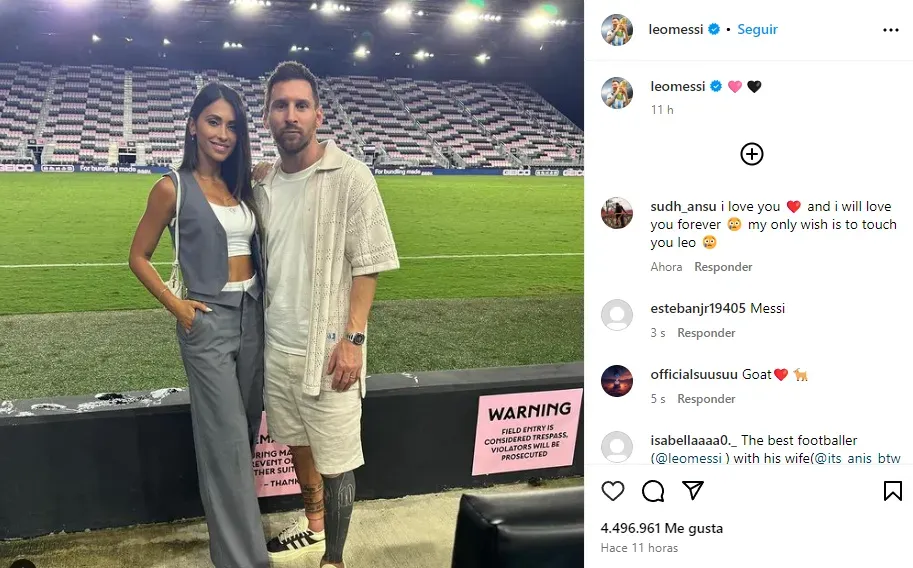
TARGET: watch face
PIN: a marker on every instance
(358, 338)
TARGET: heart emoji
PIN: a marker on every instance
(735, 86)
(793, 205)
(754, 86)
(613, 489)
(781, 373)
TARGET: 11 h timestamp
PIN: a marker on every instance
(638, 547)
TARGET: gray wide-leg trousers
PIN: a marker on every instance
(223, 358)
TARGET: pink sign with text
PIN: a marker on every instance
(274, 472)
(526, 431)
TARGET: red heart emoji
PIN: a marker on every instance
(781, 373)
(793, 205)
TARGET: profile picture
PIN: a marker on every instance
(617, 315)
(617, 92)
(617, 381)
(617, 30)
(617, 447)
(617, 213)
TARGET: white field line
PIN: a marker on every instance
(433, 257)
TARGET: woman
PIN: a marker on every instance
(220, 324)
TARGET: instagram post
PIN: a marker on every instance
(334, 285)
(294, 283)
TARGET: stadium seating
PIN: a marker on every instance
(381, 120)
(519, 132)
(81, 113)
(89, 105)
(566, 137)
(160, 99)
(23, 92)
(447, 124)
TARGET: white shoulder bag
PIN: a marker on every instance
(175, 283)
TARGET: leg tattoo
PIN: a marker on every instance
(313, 498)
(340, 498)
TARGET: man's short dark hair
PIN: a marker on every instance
(290, 71)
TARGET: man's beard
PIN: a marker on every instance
(290, 147)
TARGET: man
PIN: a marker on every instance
(618, 98)
(326, 239)
(618, 34)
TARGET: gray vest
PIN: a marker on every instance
(204, 247)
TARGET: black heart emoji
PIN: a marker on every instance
(755, 86)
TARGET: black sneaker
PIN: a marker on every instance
(296, 541)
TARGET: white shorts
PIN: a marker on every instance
(330, 423)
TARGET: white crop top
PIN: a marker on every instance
(239, 224)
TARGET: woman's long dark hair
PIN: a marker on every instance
(236, 169)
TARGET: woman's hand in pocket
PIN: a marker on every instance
(186, 312)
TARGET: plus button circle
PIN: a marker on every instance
(752, 154)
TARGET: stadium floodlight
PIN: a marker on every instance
(423, 54)
(166, 5)
(482, 58)
(466, 15)
(232, 45)
(399, 12)
(544, 18)
(332, 7)
(250, 5)
(537, 22)
(297, 48)
(362, 52)
(95, 38)
(469, 16)
(166, 42)
(314, 6)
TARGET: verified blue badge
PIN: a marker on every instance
(716, 86)
(713, 28)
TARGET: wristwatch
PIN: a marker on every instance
(356, 338)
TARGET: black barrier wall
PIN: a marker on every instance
(113, 466)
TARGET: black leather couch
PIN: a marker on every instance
(530, 529)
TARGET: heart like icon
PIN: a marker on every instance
(613, 489)
(735, 86)
(781, 373)
(754, 86)
(793, 205)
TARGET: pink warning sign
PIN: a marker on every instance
(526, 431)
(274, 472)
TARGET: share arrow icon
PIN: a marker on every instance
(694, 487)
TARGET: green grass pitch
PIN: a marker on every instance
(513, 297)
